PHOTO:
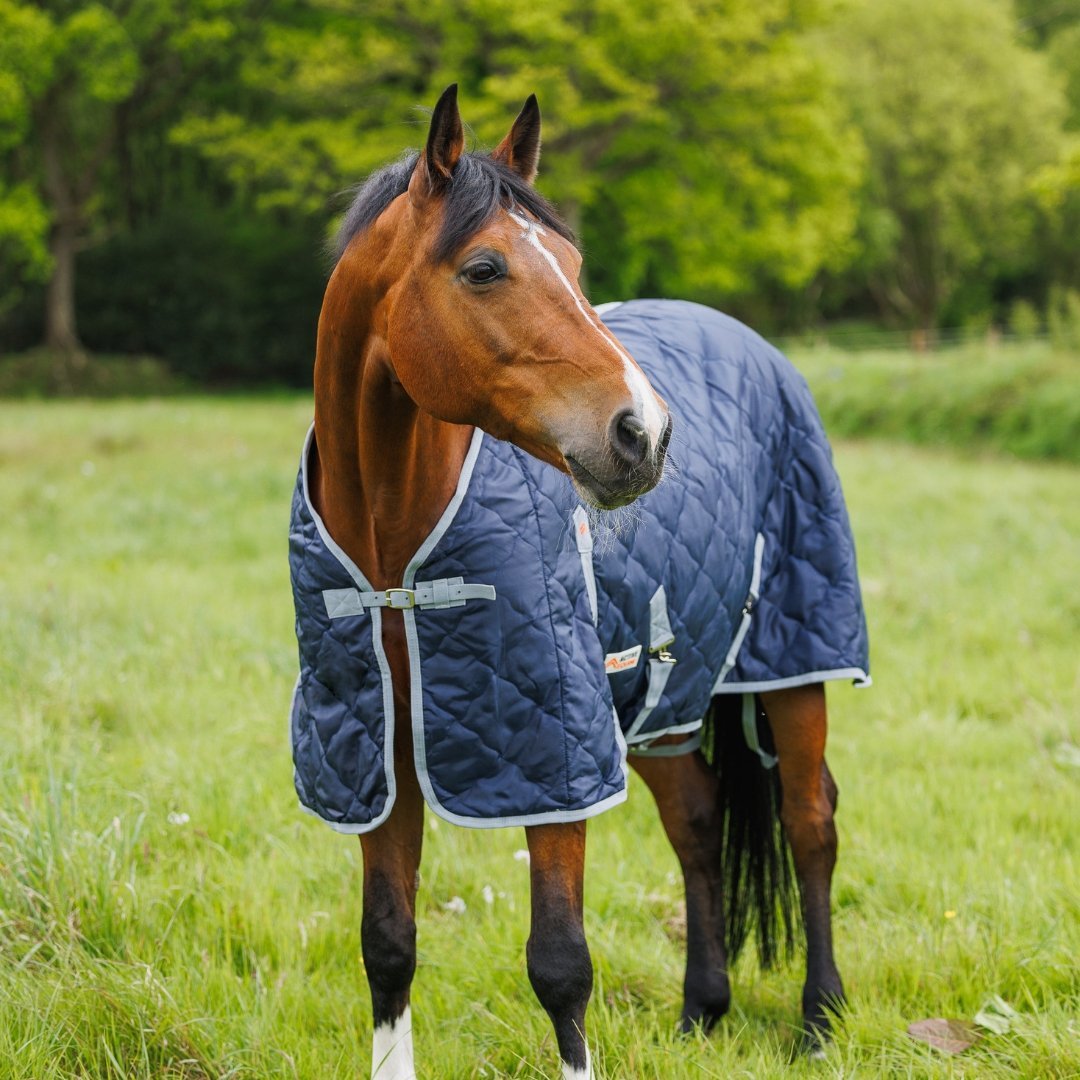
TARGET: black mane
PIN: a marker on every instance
(478, 188)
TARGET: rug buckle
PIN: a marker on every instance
(408, 601)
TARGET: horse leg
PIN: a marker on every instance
(388, 929)
(560, 968)
(686, 791)
(798, 721)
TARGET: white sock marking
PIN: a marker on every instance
(392, 1050)
(644, 398)
(570, 1073)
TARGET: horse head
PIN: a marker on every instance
(485, 324)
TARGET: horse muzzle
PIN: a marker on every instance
(629, 465)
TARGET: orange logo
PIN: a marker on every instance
(622, 661)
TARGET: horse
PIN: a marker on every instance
(454, 332)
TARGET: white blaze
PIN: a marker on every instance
(570, 1073)
(392, 1050)
(645, 403)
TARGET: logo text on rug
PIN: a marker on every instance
(622, 661)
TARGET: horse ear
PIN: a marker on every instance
(520, 150)
(445, 143)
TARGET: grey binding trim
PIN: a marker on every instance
(443, 593)
(750, 732)
(652, 736)
(747, 612)
(584, 541)
(611, 305)
(688, 746)
(416, 690)
(660, 667)
(380, 658)
(660, 635)
(861, 679)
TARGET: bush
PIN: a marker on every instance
(1024, 400)
(1063, 318)
(40, 373)
(222, 301)
(1024, 321)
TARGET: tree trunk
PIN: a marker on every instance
(60, 332)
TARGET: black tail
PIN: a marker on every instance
(759, 877)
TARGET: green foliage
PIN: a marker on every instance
(1057, 191)
(1024, 320)
(1021, 399)
(43, 373)
(166, 911)
(223, 298)
(1063, 318)
(718, 143)
(784, 159)
(76, 80)
(957, 115)
(24, 223)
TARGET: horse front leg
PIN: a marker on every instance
(798, 721)
(388, 928)
(687, 795)
(560, 968)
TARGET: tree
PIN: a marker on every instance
(957, 116)
(69, 72)
(697, 153)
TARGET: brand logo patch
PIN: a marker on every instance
(622, 661)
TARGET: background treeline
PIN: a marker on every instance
(169, 171)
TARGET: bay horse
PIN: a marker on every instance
(454, 310)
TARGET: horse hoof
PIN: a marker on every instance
(701, 1020)
(814, 1045)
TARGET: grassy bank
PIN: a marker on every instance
(1021, 399)
(165, 910)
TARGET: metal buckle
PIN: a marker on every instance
(660, 652)
(409, 602)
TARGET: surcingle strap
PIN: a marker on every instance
(750, 733)
(443, 593)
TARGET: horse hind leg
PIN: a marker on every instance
(388, 929)
(560, 968)
(798, 721)
(686, 791)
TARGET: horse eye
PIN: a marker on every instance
(482, 273)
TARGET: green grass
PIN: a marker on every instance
(1022, 398)
(146, 660)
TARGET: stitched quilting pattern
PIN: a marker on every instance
(516, 722)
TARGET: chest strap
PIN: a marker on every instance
(443, 593)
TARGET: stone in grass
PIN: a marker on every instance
(951, 1036)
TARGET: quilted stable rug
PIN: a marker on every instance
(540, 653)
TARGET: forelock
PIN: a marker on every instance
(478, 189)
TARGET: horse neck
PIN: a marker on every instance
(385, 471)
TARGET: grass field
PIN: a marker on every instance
(165, 910)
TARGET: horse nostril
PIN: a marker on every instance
(629, 437)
